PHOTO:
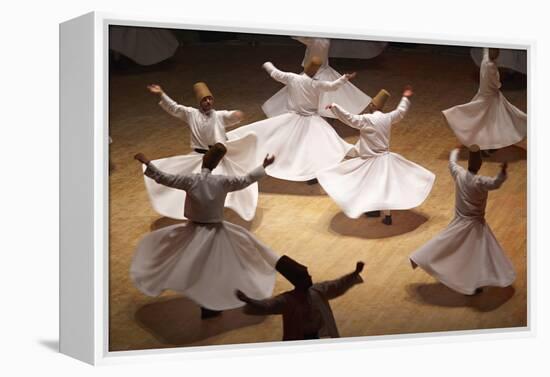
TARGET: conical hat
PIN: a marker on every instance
(312, 66)
(380, 99)
(293, 271)
(201, 91)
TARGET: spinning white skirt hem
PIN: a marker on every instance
(206, 263)
(466, 256)
(303, 145)
(488, 121)
(384, 182)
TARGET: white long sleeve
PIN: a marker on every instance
(399, 113)
(174, 109)
(352, 120)
(330, 86)
(282, 77)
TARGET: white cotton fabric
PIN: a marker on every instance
(206, 259)
(378, 179)
(512, 59)
(466, 255)
(301, 140)
(489, 120)
(145, 46)
(206, 130)
(205, 262)
(348, 95)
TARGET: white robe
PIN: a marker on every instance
(512, 59)
(378, 179)
(348, 95)
(206, 130)
(303, 142)
(489, 120)
(206, 259)
(466, 254)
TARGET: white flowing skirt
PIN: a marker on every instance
(466, 256)
(302, 145)
(206, 263)
(385, 182)
(170, 202)
(348, 96)
(488, 121)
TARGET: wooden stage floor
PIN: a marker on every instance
(300, 220)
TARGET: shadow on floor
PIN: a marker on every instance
(177, 321)
(513, 153)
(372, 228)
(52, 345)
(438, 294)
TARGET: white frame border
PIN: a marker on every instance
(101, 193)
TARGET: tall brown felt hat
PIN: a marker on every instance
(312, 66)
(214, 155)
(380, 99)
(201, 91)
(293, 271)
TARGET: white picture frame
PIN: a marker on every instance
(84, 191)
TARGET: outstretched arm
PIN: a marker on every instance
(277, 75)
(182, 182)
(334, 288)
(493, 183)
(330, 86)
(239, 183)
(274, 305)
(401, 109)
(454, 167)
(168, 104)
(352, 120)
(231, 118)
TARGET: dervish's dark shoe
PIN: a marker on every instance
(387, 220)
(313, 181)
(208, 313)
(372, 214)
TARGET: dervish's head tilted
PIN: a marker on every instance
(474, 159)
(212, 158)
(312, 66)
(294, 272)
(378, 102)
(204, 96)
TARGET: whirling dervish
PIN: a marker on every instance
(303, 140)
(488, 120)
(377, 179)
(466, 256)
(207, 128)
(347, 95)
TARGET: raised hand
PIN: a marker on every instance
(155, 89)
(503, 167)
(350, 76)
(268, 160)
(141, 158)
(408, 91)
